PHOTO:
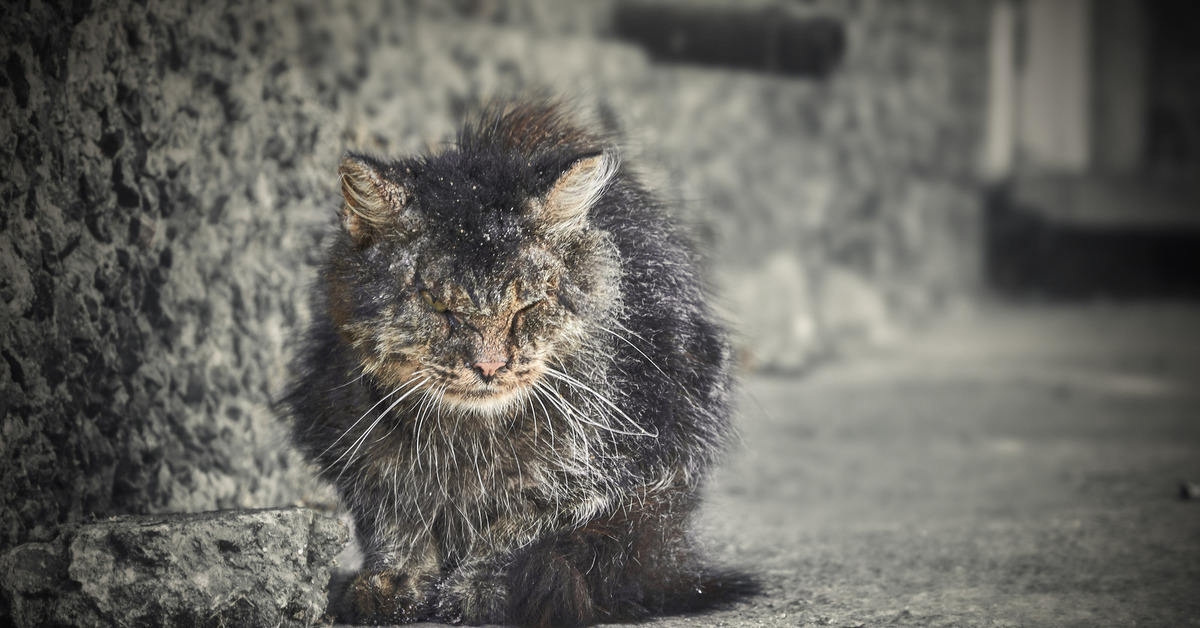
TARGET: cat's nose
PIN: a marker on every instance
(488, 370)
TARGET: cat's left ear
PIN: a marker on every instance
(372, 204)
(565, 207)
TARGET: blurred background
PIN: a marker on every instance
(995, 201)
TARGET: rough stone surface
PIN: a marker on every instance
(161, 167)
(167, 183)
(226, 568)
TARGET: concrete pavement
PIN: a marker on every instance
(1009, 466)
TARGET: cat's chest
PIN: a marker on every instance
(457, 461)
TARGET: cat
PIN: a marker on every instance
(515, 383)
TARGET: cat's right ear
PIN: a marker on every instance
(370, 202)
(565, 207)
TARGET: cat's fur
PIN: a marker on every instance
(514, 382)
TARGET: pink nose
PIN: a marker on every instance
(488, 369)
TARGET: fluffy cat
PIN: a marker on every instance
(514, 382)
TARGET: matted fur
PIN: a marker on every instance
(556, 490)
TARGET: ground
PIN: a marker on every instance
(1007, 466)
(1013, 466)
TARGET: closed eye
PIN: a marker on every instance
(437, 305)
(519, 318)
(441, 308)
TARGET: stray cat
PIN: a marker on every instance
(514, 382)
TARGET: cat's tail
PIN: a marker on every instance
(714, 589)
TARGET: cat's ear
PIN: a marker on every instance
(565, 207)
(370, 202)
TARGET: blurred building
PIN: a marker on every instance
(1093, 134)
(1108, 87)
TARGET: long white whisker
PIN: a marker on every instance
(425, 393)
(577, 414)
(517, 459)
(549, 419)
(410, 380)
(635, 348)
(360, 376)
(556, 400)
(353, 449)
(475, 463)
(437, 472)
(419, 419)
(422, 414)
(576, 383)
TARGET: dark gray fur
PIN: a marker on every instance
(567, 501)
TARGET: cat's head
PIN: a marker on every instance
(472, 272)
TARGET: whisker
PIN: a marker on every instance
(576, 414)
(364, 415)
(635, 347)
(423, 413)
(576, 383)
(434, 451)
(425, 394)
(360, 376)
(517, 459)
(475, 463)
(353, 449)
(549, 419)
(556, 400)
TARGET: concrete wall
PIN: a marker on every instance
(166, 178)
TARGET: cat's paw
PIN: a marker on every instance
(383, 597)
(472, 596)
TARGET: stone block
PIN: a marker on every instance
(222, 568)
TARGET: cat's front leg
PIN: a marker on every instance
(384, 596)
(475, 593)
(477, 590)
(396, 586)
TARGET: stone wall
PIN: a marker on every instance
(163, 170)
(166, 176)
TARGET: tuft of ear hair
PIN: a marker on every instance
(565, 207)
(370, 200)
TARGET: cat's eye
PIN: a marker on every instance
(438, 306)
(518, 319)
(441, 308)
